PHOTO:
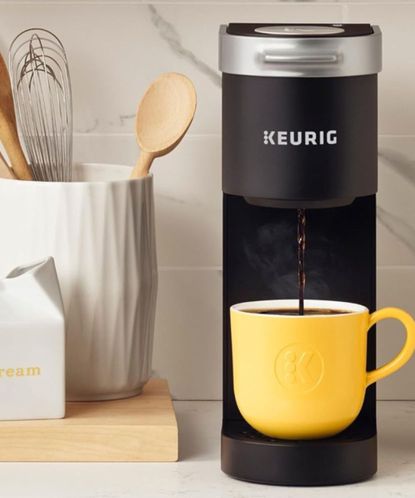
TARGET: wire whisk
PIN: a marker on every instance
(41, 85)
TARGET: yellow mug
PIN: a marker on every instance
(304, 377)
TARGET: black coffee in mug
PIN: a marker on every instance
(294, 311)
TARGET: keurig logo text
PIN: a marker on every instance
(281, 137)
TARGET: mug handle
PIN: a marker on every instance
(404, 354)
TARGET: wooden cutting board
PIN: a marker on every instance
(139, 429)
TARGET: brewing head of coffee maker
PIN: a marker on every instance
(300, 113)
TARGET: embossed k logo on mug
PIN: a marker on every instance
(299, 367)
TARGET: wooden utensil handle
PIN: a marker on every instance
(143, 165)
(8, 128)
(5, 171)
(16, 156)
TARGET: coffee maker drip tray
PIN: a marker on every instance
(250, 456)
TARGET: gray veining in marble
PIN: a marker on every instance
(169, 33)
(399, 163)
(395, 224)
(88, 129)
(126, 117)
(398, 227)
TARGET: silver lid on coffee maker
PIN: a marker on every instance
(301, 50)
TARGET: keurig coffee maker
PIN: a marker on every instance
(299, 132)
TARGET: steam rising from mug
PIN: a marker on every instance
(272, 254)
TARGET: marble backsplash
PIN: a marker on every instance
(115, 48)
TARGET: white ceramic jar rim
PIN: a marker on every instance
(121, 174)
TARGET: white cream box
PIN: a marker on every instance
(32, 344)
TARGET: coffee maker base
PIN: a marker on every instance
(343, 459)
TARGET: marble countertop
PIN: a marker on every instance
(198, 473)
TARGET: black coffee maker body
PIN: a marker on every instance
(299, 128)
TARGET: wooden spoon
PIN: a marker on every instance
(163, 117)
(5, 170)
(8, 128)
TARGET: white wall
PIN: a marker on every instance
(116, 48)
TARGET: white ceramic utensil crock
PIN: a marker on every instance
(100, 230)
(32, 344)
